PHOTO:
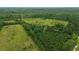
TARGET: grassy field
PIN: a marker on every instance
(45, 22)
(14, 37)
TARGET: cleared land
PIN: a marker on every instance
(14, 37)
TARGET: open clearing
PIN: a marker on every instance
(14, 37)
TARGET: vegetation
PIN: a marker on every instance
(13, 37)
(46, 29)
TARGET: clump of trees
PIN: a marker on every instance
(51, 38)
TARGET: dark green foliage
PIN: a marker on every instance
(53, 37)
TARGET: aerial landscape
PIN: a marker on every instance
(39, 29)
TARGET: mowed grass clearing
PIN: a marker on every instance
(14, 37)
(46, 22)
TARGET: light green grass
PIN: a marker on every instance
(14, 37)
(49, 22)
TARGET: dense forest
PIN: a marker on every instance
(39, 29)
